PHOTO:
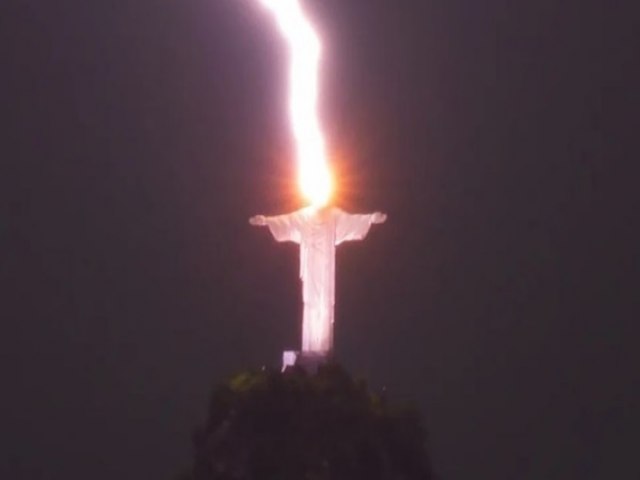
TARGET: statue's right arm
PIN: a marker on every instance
(258, 221)
(284, 228)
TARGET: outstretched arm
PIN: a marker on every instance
(378, 217)
(284, 228)
(356, 226)
(258, 221)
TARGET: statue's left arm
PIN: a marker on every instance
(356, 226)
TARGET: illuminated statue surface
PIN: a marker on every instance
(318, 231)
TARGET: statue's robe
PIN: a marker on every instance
(318, 232)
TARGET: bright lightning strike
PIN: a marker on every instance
(313, 170)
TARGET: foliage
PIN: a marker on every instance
(296, 426)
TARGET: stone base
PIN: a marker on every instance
(310, 361)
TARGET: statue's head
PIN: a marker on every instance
(320, 212)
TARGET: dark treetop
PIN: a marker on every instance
(293, 425)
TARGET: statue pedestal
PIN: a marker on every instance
(310, 361)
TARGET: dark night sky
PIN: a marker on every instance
(498, 297)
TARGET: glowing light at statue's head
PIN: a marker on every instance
(315, 183)
(314, 177)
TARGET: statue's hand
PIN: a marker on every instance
(379, 217)
(258, 221)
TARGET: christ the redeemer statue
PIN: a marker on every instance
(318, 231)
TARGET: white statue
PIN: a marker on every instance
(318, 231)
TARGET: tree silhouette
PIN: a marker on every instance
(298, 426)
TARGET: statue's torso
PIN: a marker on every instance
(317, 254)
